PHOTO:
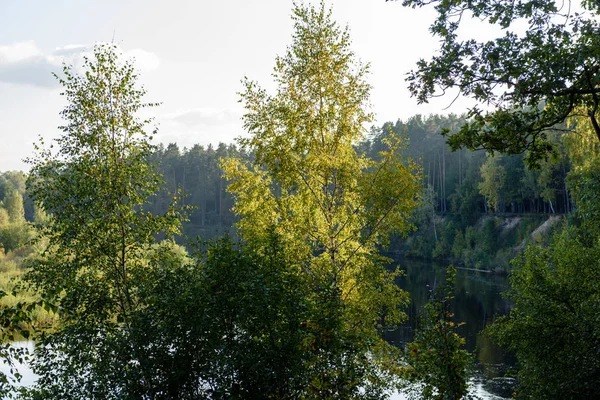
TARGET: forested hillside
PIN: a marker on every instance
(468, 194)
(470, 199)
(276, 267)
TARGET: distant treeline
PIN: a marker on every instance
(466, 182)
(195, 176)
(463, 183)
(461, 186)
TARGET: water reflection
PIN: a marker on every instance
(477, 302)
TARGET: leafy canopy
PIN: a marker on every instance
(531, 79)
(328, 204)
(307, 179)
(553, 327)
(95, 187)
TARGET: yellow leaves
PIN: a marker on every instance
(328, 204)
(253, 198)
(491, 187)
(334, 207)
(391, 189)
(582, 143)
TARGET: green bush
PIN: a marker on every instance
(15, 235)
(553, 326)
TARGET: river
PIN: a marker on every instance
(478, 301)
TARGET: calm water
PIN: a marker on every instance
(478, 301)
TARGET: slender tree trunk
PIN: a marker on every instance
(444, 179)
(592, 115)
(434, 178)
(441, 182)
(429, 173)
(434, 228)
(567, 202)
(220, 194)
(460, 167)
(183, 186)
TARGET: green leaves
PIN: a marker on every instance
(553, 326)
(529, 82)
(95, 185)
(329, 206)
(492, 186)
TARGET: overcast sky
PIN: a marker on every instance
(192, 55)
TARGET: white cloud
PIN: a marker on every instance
(184, 137)
(25, 63)
(71, 49)
(18, 52)
(203, 125)
(144, 60)
(205, 116)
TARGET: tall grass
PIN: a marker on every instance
(12, 271)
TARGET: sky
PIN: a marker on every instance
(192, 56)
